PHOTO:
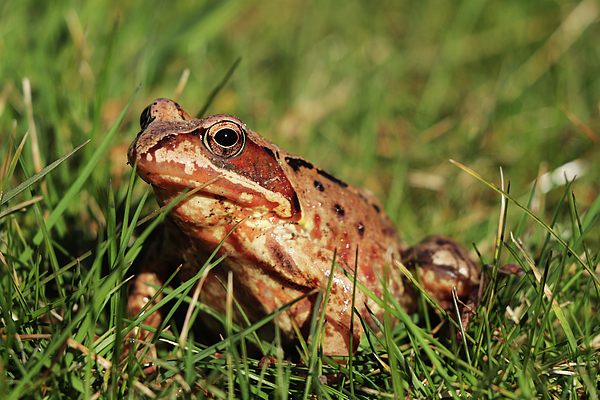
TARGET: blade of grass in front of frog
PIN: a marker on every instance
(591, 216)
(231, 352)
(578, 232)
(111, 226)
(363, 288)
(426, 342)
(401, 314)
(414, 379)
(179, 293)
(145, 311)
(240, 309)
(427, 296)
(303, 351)
(6, 171)
(589, 221)
(317, 332)
(370, 330)
(218, 88)
(555, 306)
(545, 246)
(536, 218)
(187, 322)
(490, 291)
(416, 382)
(351, 358)
(158, 332)
(281, 383)
(394, 354)
(207, 266)
(84, 173)
(157, 215)
(265, 365)
(127, 228)
(532, 194)
(184, 195)
(220, 346)
(9, 167)
(36, 177)
(500, 230)
(381, 340)
(538, 339)
(460, 324)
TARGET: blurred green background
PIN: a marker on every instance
(381, 94)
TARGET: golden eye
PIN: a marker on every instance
(225, 139)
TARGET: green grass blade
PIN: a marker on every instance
(535, 217)
(68, 197)
(27, 183)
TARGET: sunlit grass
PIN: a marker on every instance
(381, 95)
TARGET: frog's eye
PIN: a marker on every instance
(225, 139)
(146, 118)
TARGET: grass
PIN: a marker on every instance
(382, 95)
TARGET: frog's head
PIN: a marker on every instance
(174, 152)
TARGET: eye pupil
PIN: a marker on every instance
(226, 137)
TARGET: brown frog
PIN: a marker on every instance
(288, 218)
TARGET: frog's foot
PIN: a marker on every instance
(468, 310)
(140, 293)
(443, 265)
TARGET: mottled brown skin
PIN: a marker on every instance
(292, 217)
(441, 263)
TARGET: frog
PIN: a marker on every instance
(286, 228)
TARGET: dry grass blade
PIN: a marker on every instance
(583, 127)
(188, 316)
(21, 206)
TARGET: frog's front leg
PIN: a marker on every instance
(154, 271)
(141, 290)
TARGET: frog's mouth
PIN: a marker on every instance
(223, 196)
